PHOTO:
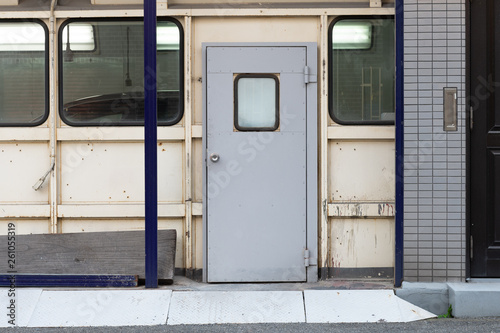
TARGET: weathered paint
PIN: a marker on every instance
(99, 185)
(372, 237)
(361, 209)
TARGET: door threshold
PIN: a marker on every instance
(184, 283)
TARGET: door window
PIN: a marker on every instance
(256, 102)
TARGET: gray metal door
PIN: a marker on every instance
(256, 163)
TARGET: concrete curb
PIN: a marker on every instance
(466, 299)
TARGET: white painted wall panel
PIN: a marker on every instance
(26, 226)
(21, 166)
(114, 172)
(9, 2)
(361, 171)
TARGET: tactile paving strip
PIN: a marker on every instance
(211, 307)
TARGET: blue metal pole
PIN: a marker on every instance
(150, 142)
(398, 274)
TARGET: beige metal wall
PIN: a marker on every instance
(97, 183)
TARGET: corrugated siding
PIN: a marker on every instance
(435, 168)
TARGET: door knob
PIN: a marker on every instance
(214, 157)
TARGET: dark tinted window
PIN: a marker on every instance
(362, 70)
(102, 72)
(23, 73)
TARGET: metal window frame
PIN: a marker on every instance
(277, 103)
(60, 47)
(331, 85)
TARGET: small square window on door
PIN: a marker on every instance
(256, 102)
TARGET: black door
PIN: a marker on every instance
(485, 138)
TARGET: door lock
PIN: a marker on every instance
(214, 157)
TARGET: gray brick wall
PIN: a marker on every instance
(434, 214)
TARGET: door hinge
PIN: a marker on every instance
(471, 117)
(309, 78)
(471, 248)
(308, 261)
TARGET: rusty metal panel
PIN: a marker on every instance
(197, 239)
(362, 209)
(362, 243)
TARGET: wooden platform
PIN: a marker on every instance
(120, 252)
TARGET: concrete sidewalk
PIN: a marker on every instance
(196, 303)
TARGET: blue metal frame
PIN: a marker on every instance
(150, 142)
(398, 266)
(42, 280)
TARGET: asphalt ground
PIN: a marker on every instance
(455, 325)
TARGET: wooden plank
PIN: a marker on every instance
(104, 253)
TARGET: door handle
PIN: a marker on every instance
(214, 157)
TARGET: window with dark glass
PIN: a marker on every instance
(23, 73)
(362, 64)
(256, 102)
(102, 72)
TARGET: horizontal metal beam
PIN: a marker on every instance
(25, 211)
(205, 12)
(361, 133)
(117, 210)
(351, 209)
(96, 210)
(361, 209)
(173, 133)
(119, 134)
(35, 280)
